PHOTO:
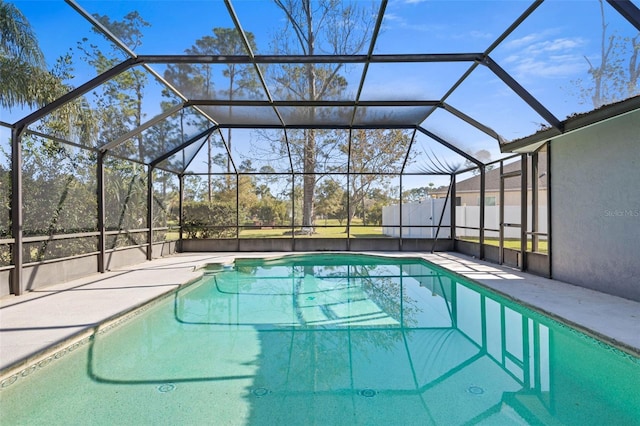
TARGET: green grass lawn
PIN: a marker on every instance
(324, 229)
(511, 243)
(333, 229)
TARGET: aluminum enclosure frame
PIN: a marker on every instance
(528, 144)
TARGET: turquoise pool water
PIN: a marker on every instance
(330, 340)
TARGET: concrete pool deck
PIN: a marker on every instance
(52, 318)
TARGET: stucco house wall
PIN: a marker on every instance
(595, 206)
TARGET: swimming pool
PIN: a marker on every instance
(330, 339)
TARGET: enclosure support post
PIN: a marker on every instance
(348, 212)
(534, 202)
(349, 191)
(101, 213)
(150, 213)
(452, 206)
(444, 208)
(293, 213)
(482, 208)
(181, 208)
(16, 209)
(400, 217)
(501, 218)
(523, 213)
(237, 212)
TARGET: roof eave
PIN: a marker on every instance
(572, 124)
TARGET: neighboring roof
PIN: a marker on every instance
(492, 179)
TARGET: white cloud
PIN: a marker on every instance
(529, 39)
(556, 45)
(392, 17)
(481, 35)
(557, 66)
(542, 55)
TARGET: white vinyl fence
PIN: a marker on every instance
(417, 217)
(470, 216)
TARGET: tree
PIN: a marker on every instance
(415, 195)
(24, 77)
(74, 121)
(375, 155)
(22, 63)
(379, 199)
(120, 102)
(613, 79)
(313, 27)
(270, 211)
(164, 135)
(197, 81)
(242, 79)
(330, 200)
(59, 197)
(58, 182)
(166, 201)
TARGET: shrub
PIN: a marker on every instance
(209, 220)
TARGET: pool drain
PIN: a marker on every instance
(368, 393)
(475, 390)
(167, 387)
(260, 392)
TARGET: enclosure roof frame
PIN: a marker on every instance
(629, 11)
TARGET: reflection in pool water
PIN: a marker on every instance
(339, 339)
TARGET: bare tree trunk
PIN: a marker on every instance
(348, 33)
(598, 98)
(309, 180)
(138, 116)
(353, 198)
(364, 212)
(209, 169)
(231, 82)
(209, 161)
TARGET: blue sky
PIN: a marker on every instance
(548, 54)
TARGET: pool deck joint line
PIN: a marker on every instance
(38, 323)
